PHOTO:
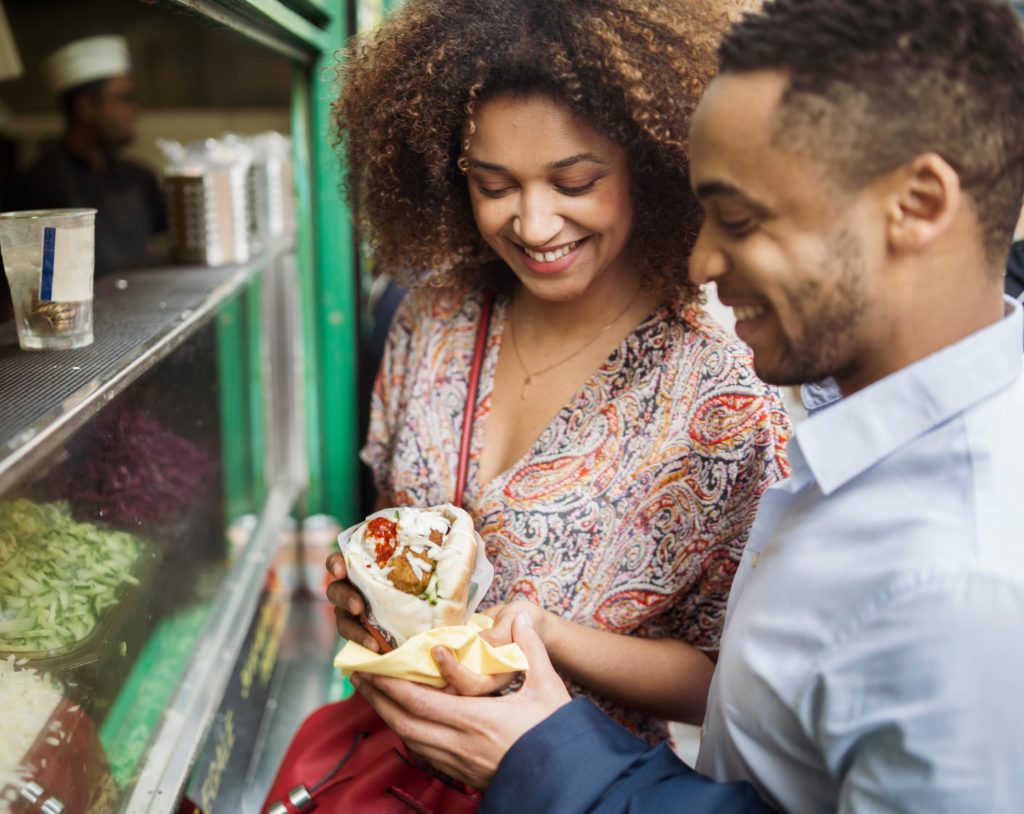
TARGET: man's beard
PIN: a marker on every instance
(828, 306)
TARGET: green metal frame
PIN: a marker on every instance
(328, 270)
(242, 402)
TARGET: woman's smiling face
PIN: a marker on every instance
(551, 196)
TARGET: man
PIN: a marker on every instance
(860, 163)
(93, 78)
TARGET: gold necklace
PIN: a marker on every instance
(531, 376)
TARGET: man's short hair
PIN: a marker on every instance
(874, 83)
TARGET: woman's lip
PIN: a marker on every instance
(555, 266)
(555, 248)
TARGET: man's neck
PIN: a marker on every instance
(927, 313)
(84, 146)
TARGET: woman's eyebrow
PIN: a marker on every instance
(575, 159)
(561, 164)
(475, 164)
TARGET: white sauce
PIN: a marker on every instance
(413, 532)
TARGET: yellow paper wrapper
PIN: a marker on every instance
(413, 661)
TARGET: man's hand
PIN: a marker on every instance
(465, 682)
(467, 737)
(348, 605)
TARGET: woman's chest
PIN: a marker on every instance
(526, 410)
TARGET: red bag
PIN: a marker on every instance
(344, 758)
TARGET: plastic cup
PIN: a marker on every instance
(319, 540)
(48, 257)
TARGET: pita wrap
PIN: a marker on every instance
(414, 567)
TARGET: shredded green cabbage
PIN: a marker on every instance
(57, 575)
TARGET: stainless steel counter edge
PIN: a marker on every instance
(186, 722)
(37, 439)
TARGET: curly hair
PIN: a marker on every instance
(874, 83)
(634, 70)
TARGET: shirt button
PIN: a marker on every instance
(703, 732)
(754, 559)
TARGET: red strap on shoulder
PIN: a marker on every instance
(474, 382)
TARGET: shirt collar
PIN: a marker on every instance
(858, 431)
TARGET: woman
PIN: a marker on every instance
(621, 440)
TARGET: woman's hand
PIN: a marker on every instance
(662, 677)
(349, 605)
(503, 615)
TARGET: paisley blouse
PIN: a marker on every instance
(630, 511)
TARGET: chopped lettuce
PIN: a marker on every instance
(430, 594)
(57, 575)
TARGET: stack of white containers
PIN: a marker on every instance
(228, 198)
(271, 190)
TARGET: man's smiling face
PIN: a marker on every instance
(794, 254)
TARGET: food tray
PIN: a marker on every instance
(65, 763)
(93, 668)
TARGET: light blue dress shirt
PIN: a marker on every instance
(873, 652)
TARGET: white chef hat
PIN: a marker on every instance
(86, 60)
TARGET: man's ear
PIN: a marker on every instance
(924, 202)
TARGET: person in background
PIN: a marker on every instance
(621, 439)
(859, 163)
(93, 79)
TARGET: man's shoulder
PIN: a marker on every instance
(955, 488)
(46, 163)
(986, 457)
(43, 182)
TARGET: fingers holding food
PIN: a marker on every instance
(463, 681)
(350, 629)
(504, 616)
(336, 565)
(344, 596)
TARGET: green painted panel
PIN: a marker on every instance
(335, 294)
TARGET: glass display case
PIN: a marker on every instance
(154, 655)
(145, 484)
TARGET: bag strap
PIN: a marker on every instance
(301, 799)
(474, 383)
